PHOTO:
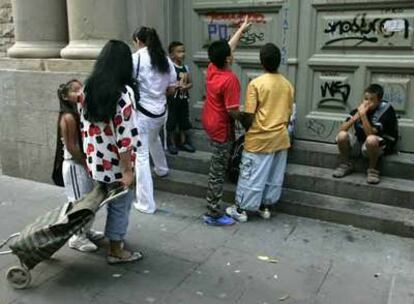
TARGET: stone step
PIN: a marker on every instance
(316, 154)
(400, 165)
(391, 191)
(382, 218)
(386, 219)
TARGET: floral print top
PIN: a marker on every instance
(104, 141)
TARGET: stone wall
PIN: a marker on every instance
(28, 113)
(6, 26)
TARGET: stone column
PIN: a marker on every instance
(163, 15)
(91, 24)
(40, 28)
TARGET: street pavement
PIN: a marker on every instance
(308, 261)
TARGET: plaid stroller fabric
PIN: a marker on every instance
(41, 239)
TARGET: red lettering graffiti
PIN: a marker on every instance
(237, 18)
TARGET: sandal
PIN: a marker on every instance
(133, 257)
(373, 176)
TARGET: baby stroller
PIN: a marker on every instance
(48, 233)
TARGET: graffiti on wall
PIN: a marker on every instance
(322, 129)
(396, 94)
(397, 89)
(362, 29)
(285, 29)
(335, 91)
(223, 25)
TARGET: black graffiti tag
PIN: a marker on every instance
(249, 38)
(361, 28)
(335, 88)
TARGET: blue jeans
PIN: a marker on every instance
(117, 218)
(260, 179)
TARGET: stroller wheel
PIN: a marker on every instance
(18, 277)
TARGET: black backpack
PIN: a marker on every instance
(233, 168)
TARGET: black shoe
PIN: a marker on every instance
(173, 149)
(187, 147)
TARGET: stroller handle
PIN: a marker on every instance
(3, 243)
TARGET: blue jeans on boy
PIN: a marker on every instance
(117, 218)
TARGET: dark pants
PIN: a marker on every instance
(218, 167)
(178, 115)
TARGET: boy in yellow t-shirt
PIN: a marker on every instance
(269, 103)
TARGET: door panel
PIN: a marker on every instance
(354, 43)
(272, 21)
(331, 50)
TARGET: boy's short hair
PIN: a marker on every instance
(375, 89)
(270, 57)
(218, 51)
(173, 45)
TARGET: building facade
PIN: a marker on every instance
(6, 27)
(331, 50)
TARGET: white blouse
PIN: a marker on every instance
(152, 84)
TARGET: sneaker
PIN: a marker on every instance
(144, 209)
(343, 170)
(265, 213)
(94, 235)
(161, 176)
(172, 149)
(373, 176)
(234, 213)
(81, 243)
(187, 148)
(222, 220)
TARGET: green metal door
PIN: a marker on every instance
(331, 50)
(343, 47)
(209, 20)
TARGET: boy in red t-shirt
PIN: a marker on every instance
(220, 108)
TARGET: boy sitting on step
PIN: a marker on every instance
(376, 133)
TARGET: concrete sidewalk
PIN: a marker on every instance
(189, 262)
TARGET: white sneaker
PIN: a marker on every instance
(94, 235)
(81, 243)
(238, 216)
(144, 209)
(265, 214)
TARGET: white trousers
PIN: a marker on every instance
(149, 134)
(76, 179)
(77, 184)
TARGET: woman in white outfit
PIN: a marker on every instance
(156, 78)
(76, 179)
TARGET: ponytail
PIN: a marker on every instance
(150, 38)
(64, 107)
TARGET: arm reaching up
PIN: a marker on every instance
(234, 40)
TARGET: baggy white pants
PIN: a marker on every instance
(261, 179)
(149, 130)
(77, 184)
(76, 179)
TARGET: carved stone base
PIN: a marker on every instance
(36, 49)
(83, 49)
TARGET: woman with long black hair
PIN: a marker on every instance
(110, 137)
(156, 78)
